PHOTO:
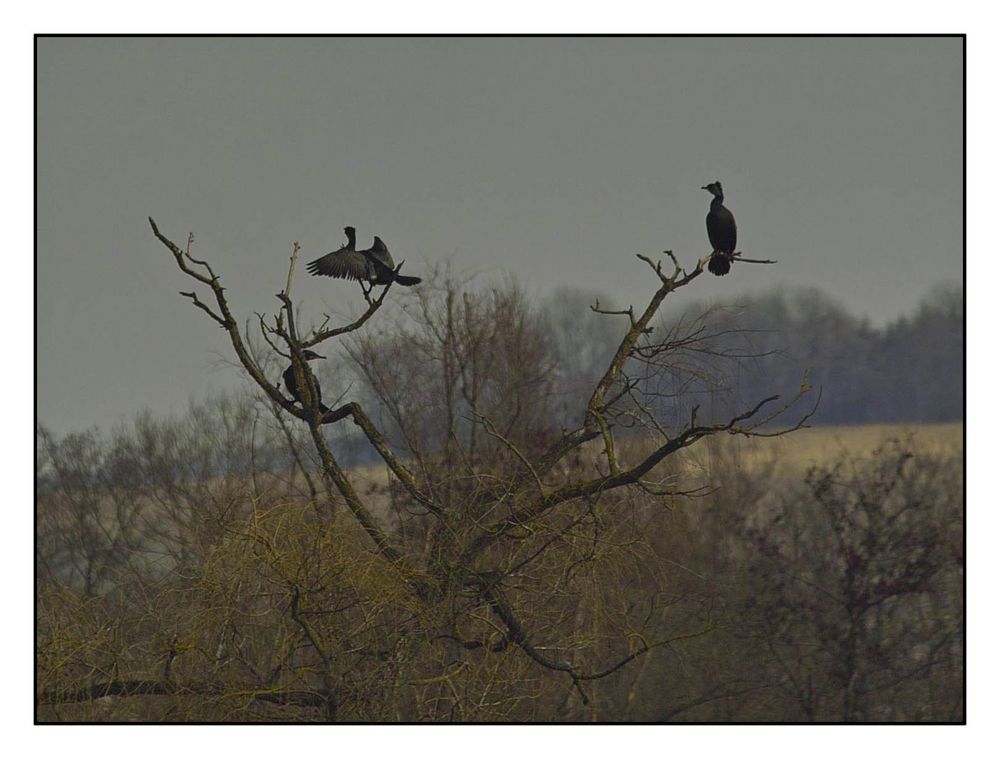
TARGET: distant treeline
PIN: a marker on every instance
(726, 356)
(911, 370)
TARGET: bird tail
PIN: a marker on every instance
(719, 264)
(408, 281)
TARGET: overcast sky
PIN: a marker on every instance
(554, 159)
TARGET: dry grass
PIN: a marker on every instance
(808, 447)
(715, 460)
(722, 458)
(795, 452)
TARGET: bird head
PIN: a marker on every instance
(309, 355)
(349, 231)
(715, 188)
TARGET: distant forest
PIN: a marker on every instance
(763, 344)
(911, 370)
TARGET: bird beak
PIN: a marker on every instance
(705, 187)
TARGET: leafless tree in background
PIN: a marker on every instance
(505, 567)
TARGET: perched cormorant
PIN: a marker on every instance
(374, 265)
(721, 232)
(383, 267)
(293, 387)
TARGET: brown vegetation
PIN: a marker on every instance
(504, 568)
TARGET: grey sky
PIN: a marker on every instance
(555, 159)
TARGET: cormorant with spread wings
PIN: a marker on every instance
(374, 265)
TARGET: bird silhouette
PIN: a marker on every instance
(721, 232)
(343, 262)
(295, 389)
(373, 266)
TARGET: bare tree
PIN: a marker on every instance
(857, 588)
(512, 549)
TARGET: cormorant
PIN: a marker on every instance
(383, 266)
(333, 264)
(374, 265)
(721, 232)
(293, 387)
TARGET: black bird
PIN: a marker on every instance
(383, 268)
(293, 387)
(374, 265)
(335, 264)
(721, 232)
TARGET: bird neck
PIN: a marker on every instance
(350, 239)
(716, 201)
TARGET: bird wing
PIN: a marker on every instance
(343, 264)
(381, 254)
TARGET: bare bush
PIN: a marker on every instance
(506, 566)
(857, 585)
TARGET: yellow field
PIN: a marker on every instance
(724, 459)
(820, 444)
(791, 454)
